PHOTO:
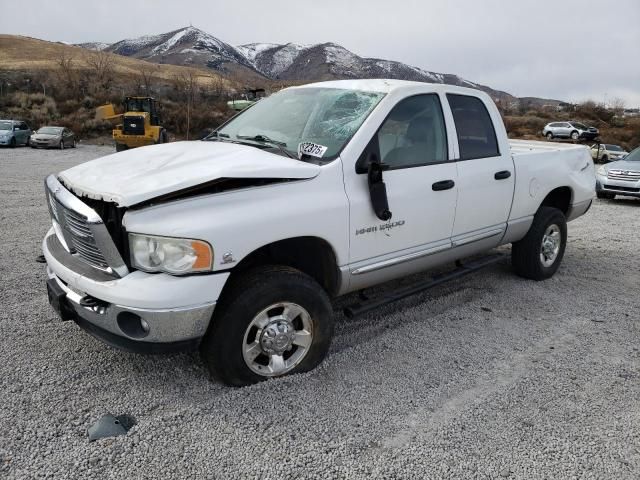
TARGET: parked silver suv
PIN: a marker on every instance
(621, 177)
(572, 130)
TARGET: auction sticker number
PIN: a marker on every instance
(311, 149)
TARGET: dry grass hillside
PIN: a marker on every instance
(27, 54)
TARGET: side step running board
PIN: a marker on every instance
(462, 270)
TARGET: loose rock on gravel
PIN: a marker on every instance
(489, 377)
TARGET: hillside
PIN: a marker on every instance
(25, 54)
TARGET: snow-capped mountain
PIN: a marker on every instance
(291, 61)
(97, 46)
(186, 46)
(329, 61)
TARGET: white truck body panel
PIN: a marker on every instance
(161, 169)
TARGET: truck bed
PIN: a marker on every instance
(543, 166)
(534, 146)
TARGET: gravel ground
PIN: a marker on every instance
(490, 377)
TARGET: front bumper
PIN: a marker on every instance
(140, 312)
(44, 143)
(617, 187)
(5, 140)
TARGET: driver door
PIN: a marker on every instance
(421, 191)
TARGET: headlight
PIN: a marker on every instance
(602, 171)
(170, 255)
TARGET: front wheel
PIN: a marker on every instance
(538, 255)
(575, 135)
(271, 322)
(549, 136)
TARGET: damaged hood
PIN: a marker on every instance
(141, 174)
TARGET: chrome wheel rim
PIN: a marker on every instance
(550, 247)
(277, 339)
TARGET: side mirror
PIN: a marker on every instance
(377, 187)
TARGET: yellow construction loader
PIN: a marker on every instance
(138, 126)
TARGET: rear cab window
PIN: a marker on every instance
(476, 133)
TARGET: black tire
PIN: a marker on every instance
(121, 147)
(606, 195)
(162, 137)
(249, 294)
(26, 144)
(61, 146)
(574, 135)
(604, 159)
(12, 143)
(549, 136)
(526, 253)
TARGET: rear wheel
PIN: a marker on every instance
(271, 322)
(61, 146)
(575, 135)
(12, 143)
(162, 138)
(549, 136)
(538, 255)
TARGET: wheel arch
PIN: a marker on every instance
(560, 198)
(311, 255)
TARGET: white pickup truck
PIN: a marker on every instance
(237, 243)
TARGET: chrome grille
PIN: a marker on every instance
(77, 233)
(81, 231)
(627, 175)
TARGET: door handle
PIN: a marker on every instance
(443, 185)
(502, 175)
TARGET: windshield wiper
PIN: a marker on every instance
(264, 139)
(215, 135)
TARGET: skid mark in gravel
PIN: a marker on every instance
(506, 372)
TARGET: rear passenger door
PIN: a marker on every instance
(485, 174)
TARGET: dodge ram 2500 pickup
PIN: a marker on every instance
(237, 243)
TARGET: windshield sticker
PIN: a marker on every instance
(311, 149)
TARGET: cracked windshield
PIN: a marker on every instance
(323, 116)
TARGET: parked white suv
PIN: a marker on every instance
(605, 152)
(572, 130)
(237, 244)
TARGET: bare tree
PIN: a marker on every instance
(186, 86)
(101, 69)
(146, 79)
(617, 105)
(66, 72)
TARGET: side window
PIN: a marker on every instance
(23, 126)
(476, 135)
(414, 133)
